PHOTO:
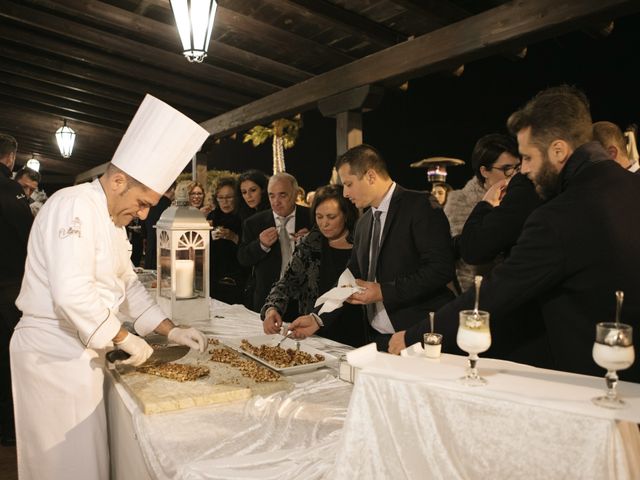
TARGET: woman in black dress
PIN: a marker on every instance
(226, 274)
(316, 265)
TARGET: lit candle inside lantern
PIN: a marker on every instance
(184, 278)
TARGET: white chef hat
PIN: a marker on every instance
(158, 144)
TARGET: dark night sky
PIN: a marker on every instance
(445, 115)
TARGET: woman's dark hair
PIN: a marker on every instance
(488, 149)
(348, 209)
(260, 179)
(225, 182)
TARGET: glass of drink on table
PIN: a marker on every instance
(613, 350)
(474, 337)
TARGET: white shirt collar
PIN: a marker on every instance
(386, 200)
(277, 217)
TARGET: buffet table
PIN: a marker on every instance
(292, 434)
(526, 423)
(404, 418)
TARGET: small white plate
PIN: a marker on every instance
(272, 341)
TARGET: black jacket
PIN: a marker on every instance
(575, 251)
(155, 212)
(489, 232)
(15, 224)
(415, 261)
(266, 265)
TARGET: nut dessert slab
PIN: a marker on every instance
(255, 346)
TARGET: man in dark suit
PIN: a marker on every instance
(575, 251)
(402, 253)
(15, 224)
(269, 238)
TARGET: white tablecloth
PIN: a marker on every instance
(409, 418)
(292, 434)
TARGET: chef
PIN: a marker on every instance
(78, 283)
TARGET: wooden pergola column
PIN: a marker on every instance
(347, 108)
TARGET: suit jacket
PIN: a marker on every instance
(574, 252)
(15, 224)
(266, 265)
(415, 260)
(490, 231)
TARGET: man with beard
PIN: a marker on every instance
(575, 251)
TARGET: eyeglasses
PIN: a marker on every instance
(222, 199)
(507, 170)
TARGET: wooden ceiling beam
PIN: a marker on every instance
(166, 36)
(39, 103)
(438, 13)
(334, 16)
(52, 64)
(470, 39)
(119, 66)
(68, 109)
(16, 115)
(138, 52)
(61, 92)
(263, 32)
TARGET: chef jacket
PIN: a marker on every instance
(78, 274)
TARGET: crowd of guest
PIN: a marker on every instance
(544, 219)
(541, 201)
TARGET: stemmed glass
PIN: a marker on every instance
(474, 337)
(613, 350)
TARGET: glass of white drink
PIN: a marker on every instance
(474, 337)
(613, 350)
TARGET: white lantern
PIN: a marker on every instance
(194, 19)
(183, 263)
(65, 137)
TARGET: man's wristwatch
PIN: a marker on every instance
(318, 320)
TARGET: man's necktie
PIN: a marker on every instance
(373, 263)
(285, 244)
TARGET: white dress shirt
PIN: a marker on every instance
(381, 321)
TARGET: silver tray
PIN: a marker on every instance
(272, 340)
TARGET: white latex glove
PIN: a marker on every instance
(190, 337)
(137, 348)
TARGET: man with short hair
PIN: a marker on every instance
(28, 180)
(78, 278)
(575, 251)
(15, 224)
(402, 254)
(611, 138)
(269, 238)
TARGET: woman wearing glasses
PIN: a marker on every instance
(226, 274)
(197, 197)
(494, 159)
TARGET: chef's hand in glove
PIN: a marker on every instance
(190, 337)
(137, 348)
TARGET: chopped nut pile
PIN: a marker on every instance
(175, 371)
(214, 341)
(247, 368)
(280, 357)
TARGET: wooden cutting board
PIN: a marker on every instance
(225, 383)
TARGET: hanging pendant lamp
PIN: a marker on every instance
(194, 19)
(65, 137)
(33, 163)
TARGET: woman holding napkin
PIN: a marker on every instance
(316, 265)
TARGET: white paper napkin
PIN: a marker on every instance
(335, 297)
